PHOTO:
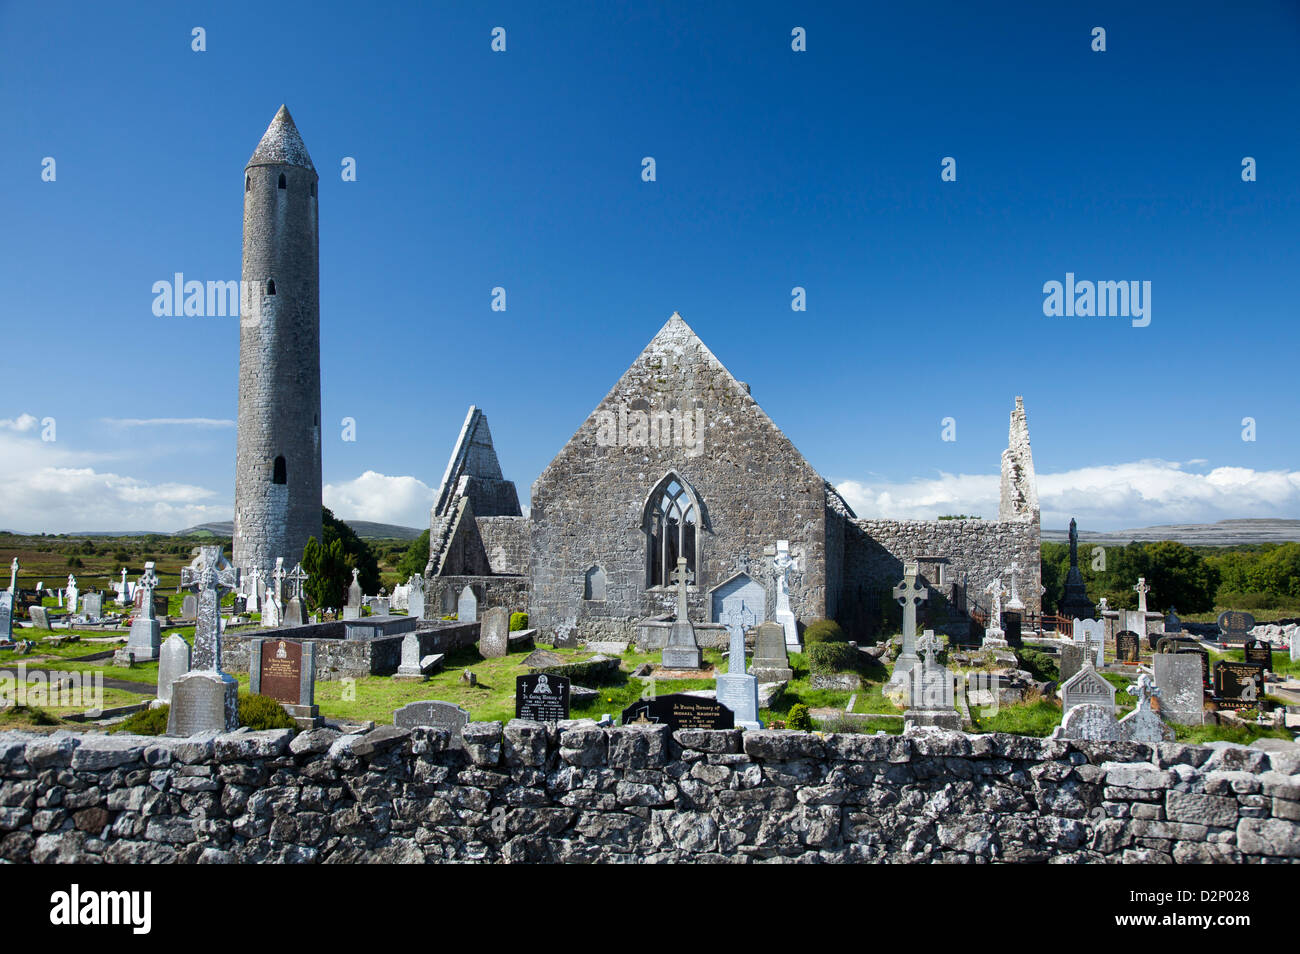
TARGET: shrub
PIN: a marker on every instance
(1039, 665)
(824, 631)
(799, 718)
(145, 722)
(827, 658)
(518, 621)
(263, 712)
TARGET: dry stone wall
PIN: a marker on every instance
(634, 794)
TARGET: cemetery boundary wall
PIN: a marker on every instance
(529, 792)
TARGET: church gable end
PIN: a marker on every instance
(677, 459)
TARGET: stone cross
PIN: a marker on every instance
(296, 579)
(910, 594)
(681, 576)
(928, 645)
(1145, 690)
(277, 578)
(1142, 590)
(254, 598)
(13, 577)
(148, 580)
(737, 620)
(121, 596)
(209, 575)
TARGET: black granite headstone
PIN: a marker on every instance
(1259, 652)
(679, 711)
(1238, 685)
(1235, 626)
(542, 697)
(1126, 647)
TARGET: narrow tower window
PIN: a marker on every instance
(313, 190)
(283, 184)
(270, 286)
(248, 183)
(279, 476)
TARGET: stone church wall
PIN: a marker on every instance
(505, 541)
(533, 793)
(977, 550)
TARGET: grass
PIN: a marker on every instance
(492, 698)
(860, 726)
(22, 717)
(1241, 734)
(1037, 718)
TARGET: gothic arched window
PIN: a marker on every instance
(672, 520)
(283, 182)
(270, 286)
(279, 474)
(248, 183)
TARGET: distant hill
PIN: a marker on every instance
(1225, 533)
(364, 528)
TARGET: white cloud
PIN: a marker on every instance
(382, 499)
(1109, 497)
(53, 489)
(23, 422)
(168, 421)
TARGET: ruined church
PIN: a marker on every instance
(679, 460)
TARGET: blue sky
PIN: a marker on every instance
(775, 168)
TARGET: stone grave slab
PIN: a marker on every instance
(1089, 722)
(467, 607)
(494, 633)
(1087, 687)
(771, 662)
(173, 662)
(203, 702)
(1181, 687)
(440, 715)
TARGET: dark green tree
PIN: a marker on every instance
(329, 563)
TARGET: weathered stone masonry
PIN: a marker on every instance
(637, 794)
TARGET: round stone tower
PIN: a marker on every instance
(277, 457)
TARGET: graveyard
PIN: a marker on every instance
(838, 686)
(756, 561)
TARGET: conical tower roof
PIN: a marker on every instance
(282, 145)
